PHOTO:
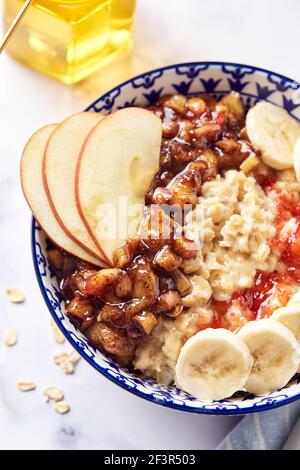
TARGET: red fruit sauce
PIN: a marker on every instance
(273, 289)
(288, 241)
(269, 291)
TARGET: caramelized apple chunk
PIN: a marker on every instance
(98, 284)
(79, 307)
(146, 320)
(234, 108)
(166, 259)
(156, 228)
(186, 186)
(184, 247)
(124, 254)
(183, 284)
(145, 282)
(112, 340)
(168, 300)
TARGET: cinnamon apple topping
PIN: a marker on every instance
(117, 306)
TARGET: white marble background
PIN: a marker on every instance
(259, 32)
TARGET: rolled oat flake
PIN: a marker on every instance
(10, 338)
(57, 334)
(53, 393)
(15, 295)
(61, 407)
(26, 385)
(59, 357)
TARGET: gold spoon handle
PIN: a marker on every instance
(14, 24)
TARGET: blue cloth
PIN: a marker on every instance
(267, 430)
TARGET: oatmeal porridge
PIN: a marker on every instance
(188, 295)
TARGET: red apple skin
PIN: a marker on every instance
(51, 128)
(127, 119)
(60, 222)
(59, 219)
(43, 135)
(87, 226)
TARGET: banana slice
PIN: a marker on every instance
(297, 159)
(275, 351)
(274, 132)
(213, 364)
(289, 316)
(295, 299)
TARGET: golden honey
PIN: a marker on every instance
(70, 39)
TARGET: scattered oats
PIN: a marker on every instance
(26, 385)
(56, 333)
(68, 367)
(53, 393)
(15, 295)
(61, 407)
(67, 360)
(10, 338)
(74, 356)
(58, 336)
(60, 357)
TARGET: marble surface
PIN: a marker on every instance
(102, 415)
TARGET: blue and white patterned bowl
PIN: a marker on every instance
(192, 78)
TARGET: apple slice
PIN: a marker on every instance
(115, 167)
(32, 184)
(59, 166)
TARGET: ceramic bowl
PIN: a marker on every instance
(218, 78)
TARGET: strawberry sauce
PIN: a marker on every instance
(271, 290)
(287, 238)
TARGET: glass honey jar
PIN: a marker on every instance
(70, 39)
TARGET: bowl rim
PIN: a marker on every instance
(135, 391)
(191, 64)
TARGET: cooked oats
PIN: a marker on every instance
(157, 354)
(236, 235)
(234, 225)
(292, 186)
(201, 292)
